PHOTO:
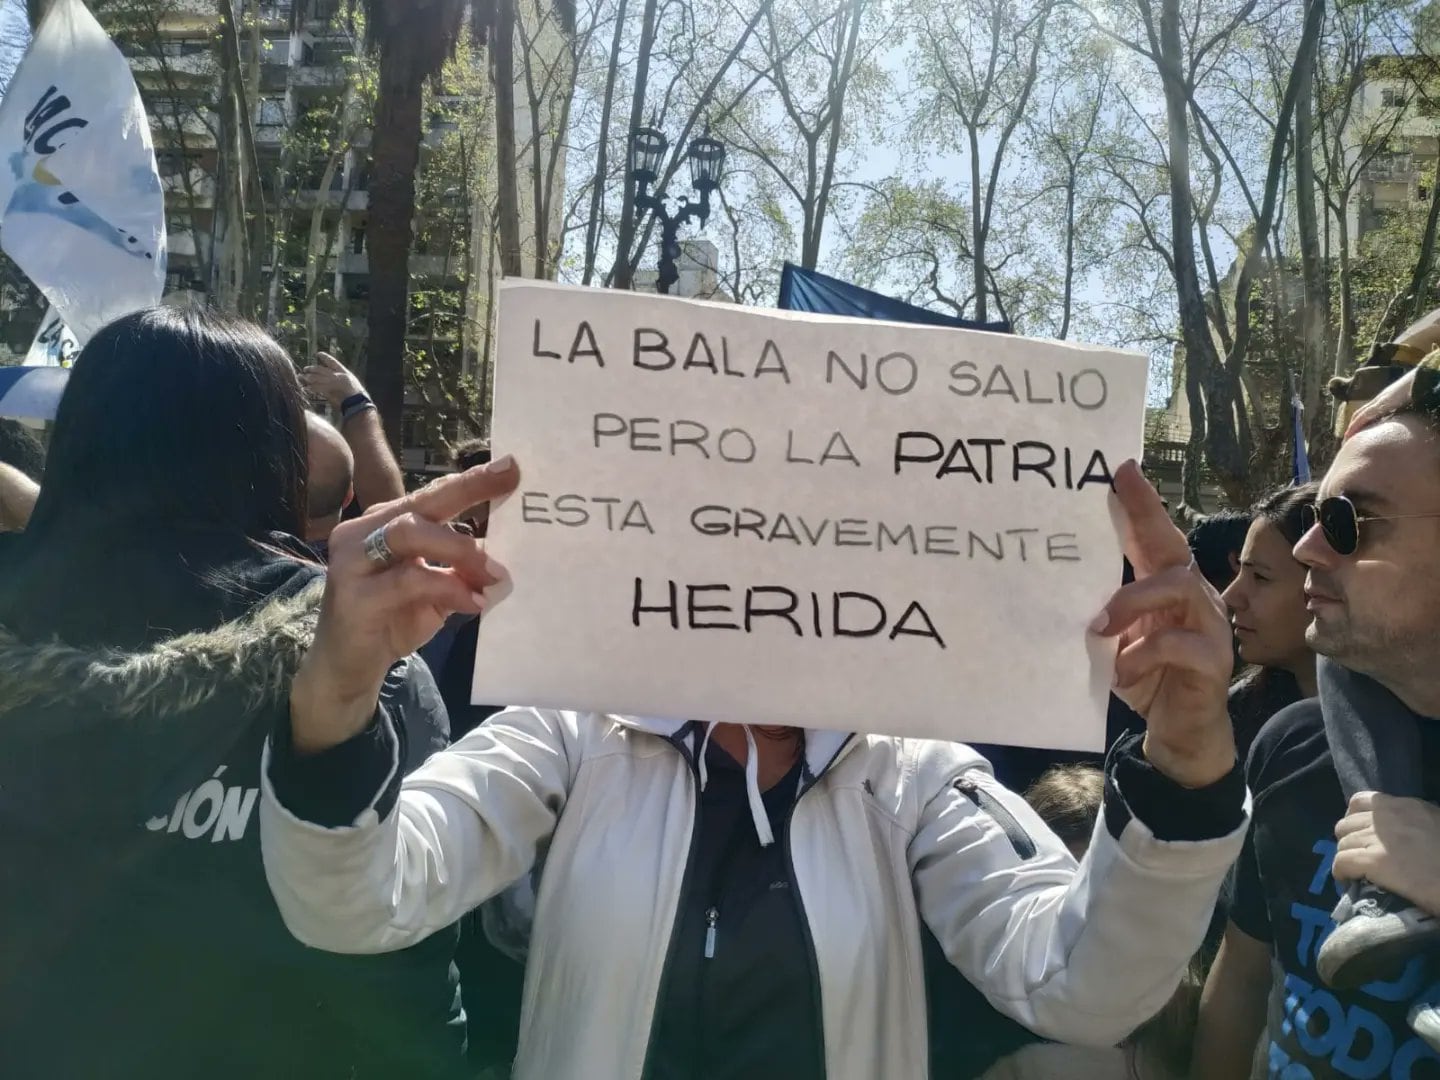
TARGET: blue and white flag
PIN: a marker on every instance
(1301, 464)
(81, 207)
(54, 344)
(31, 393)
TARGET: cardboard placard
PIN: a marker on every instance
(727, 513)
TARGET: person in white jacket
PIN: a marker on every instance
(727, 900)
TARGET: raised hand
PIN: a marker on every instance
(329, 380)
(1175, 655)
(385, 598)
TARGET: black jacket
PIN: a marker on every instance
(139, 936)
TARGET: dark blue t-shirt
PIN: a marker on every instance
(1284, 894)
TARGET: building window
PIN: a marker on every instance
(1392, 98)
(272, 112)
(357, 241)
(183, 48)
(170, 165)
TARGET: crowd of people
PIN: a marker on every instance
(253, 825)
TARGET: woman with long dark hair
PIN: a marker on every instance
(150, 617)
(1267, 606)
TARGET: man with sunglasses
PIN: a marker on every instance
(1354, 1001)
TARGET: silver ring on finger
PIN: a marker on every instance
(377, 548)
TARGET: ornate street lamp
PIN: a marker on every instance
(706, 158)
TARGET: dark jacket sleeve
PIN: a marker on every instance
(334, 787)
(1134, 788)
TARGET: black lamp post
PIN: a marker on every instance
(706, 157)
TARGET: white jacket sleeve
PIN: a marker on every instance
(467, 824)
(1080, 955)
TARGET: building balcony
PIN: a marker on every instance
(276, 13)
(438, 265)
(193, 130)
(355, 262)
(194, 7)
(317, 78)
(269, 134)
(181, 245)
(148, 69)
(200, 188)
(333, 200)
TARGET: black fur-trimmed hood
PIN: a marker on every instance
(250, 659)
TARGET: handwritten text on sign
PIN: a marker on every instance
(758, 516)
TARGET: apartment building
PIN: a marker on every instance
(300, 60)
(1392, 140)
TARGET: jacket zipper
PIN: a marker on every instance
(993, 808)
(685, 883)
(811, 956)
(712, 916)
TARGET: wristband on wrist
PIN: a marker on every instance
(354, 405)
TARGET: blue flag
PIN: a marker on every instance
(808, 290)
(1300, 470)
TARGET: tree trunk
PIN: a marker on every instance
(535, 99)
(1068, 301)
(602, 178)
(1210, 392)
(1315, 323)
(253, 222)
(397, 133)
(502, 50)
(1345, 342)
(837, 130)
(1301, 74)
(315, 255)
(1425, 262)
(620, 276)
(977, 229)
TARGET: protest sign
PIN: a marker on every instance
(733, 514)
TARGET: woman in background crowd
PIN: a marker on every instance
(1267, 605)
(150, 616)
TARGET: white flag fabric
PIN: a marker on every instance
(83, 210)
(54, 344)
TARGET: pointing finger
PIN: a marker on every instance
(442, 499)
(1167, 590)
(329, 362)
(1152, 542)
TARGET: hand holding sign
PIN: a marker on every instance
(374, 613)
(1175, 655)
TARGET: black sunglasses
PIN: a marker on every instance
(1340, 522)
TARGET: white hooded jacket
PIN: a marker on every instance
(886, 832)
